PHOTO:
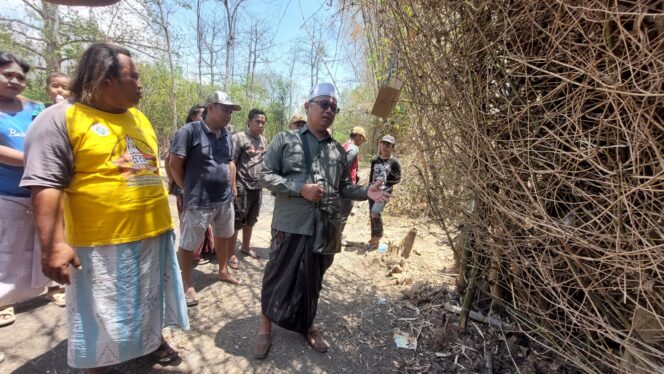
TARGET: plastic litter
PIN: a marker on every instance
(403, 340)
(382, 248)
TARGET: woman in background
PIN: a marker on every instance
(21, 276)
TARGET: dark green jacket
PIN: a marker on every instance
(284, 173)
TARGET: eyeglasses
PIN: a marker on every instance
(325, 105)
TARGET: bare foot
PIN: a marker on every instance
(228, 278)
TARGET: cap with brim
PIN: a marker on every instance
(323, 89)
(358, 130)
(220, 97)
(297, 118)
(388, 139)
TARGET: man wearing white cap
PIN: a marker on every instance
(203, 167)
(386, 170)
(306, 170)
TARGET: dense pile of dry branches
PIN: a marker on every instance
(542, 128)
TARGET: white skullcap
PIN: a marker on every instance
(323, 89)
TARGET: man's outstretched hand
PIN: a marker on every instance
(376, 194)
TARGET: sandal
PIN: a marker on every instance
(191, 301)
(7, 316)
(262, 343)
(249, 253)
(233, 264)
(165, 354)
(201, 261)
(316, 342)
(57, 297)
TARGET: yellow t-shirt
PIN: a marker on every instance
(115, 194)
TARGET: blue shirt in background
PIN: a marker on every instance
(13, 128)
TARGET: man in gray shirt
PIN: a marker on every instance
(294, 274)
(201, 164)
(248, 149)
(352, 148)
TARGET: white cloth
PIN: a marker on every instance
(21, 277)
(119, 302)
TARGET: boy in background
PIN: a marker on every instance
(387, 169)
(57, 87)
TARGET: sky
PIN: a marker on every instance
(290, 20)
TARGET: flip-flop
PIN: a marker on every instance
(165, 354)
(262, 343)
(9, 312)
(57, 297)
(233, 264)
(201, 261)
(249, 253)
(191, 301)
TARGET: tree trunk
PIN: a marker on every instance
(164, 24)
(199, 45)
(52, 52)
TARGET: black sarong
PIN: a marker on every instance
(292, 281)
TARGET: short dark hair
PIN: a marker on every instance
(55, 74)
(255, 112)
(100, 61)
(7, 58)
(194, 109)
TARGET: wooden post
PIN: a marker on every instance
(407, 243)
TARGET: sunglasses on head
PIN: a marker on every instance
(325, 105)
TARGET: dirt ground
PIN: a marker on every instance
(360, 308)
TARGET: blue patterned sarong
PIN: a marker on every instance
(119, 302)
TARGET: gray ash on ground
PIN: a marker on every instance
(444, 347)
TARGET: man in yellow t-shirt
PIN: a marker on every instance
(96, 156)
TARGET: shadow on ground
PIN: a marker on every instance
(356, 315)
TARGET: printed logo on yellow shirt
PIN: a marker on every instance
(100, 129)
(137, 163)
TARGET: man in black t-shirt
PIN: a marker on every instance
(385, 168)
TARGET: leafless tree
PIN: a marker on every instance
(159, 13)
(258, 50)
(200, 42)
(45, 34)
(312, 51)
(232, 8)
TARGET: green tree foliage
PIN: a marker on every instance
(155, 78)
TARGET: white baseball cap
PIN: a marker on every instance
(220, 97)
(388, 139)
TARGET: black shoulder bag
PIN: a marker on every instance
(327, 226)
